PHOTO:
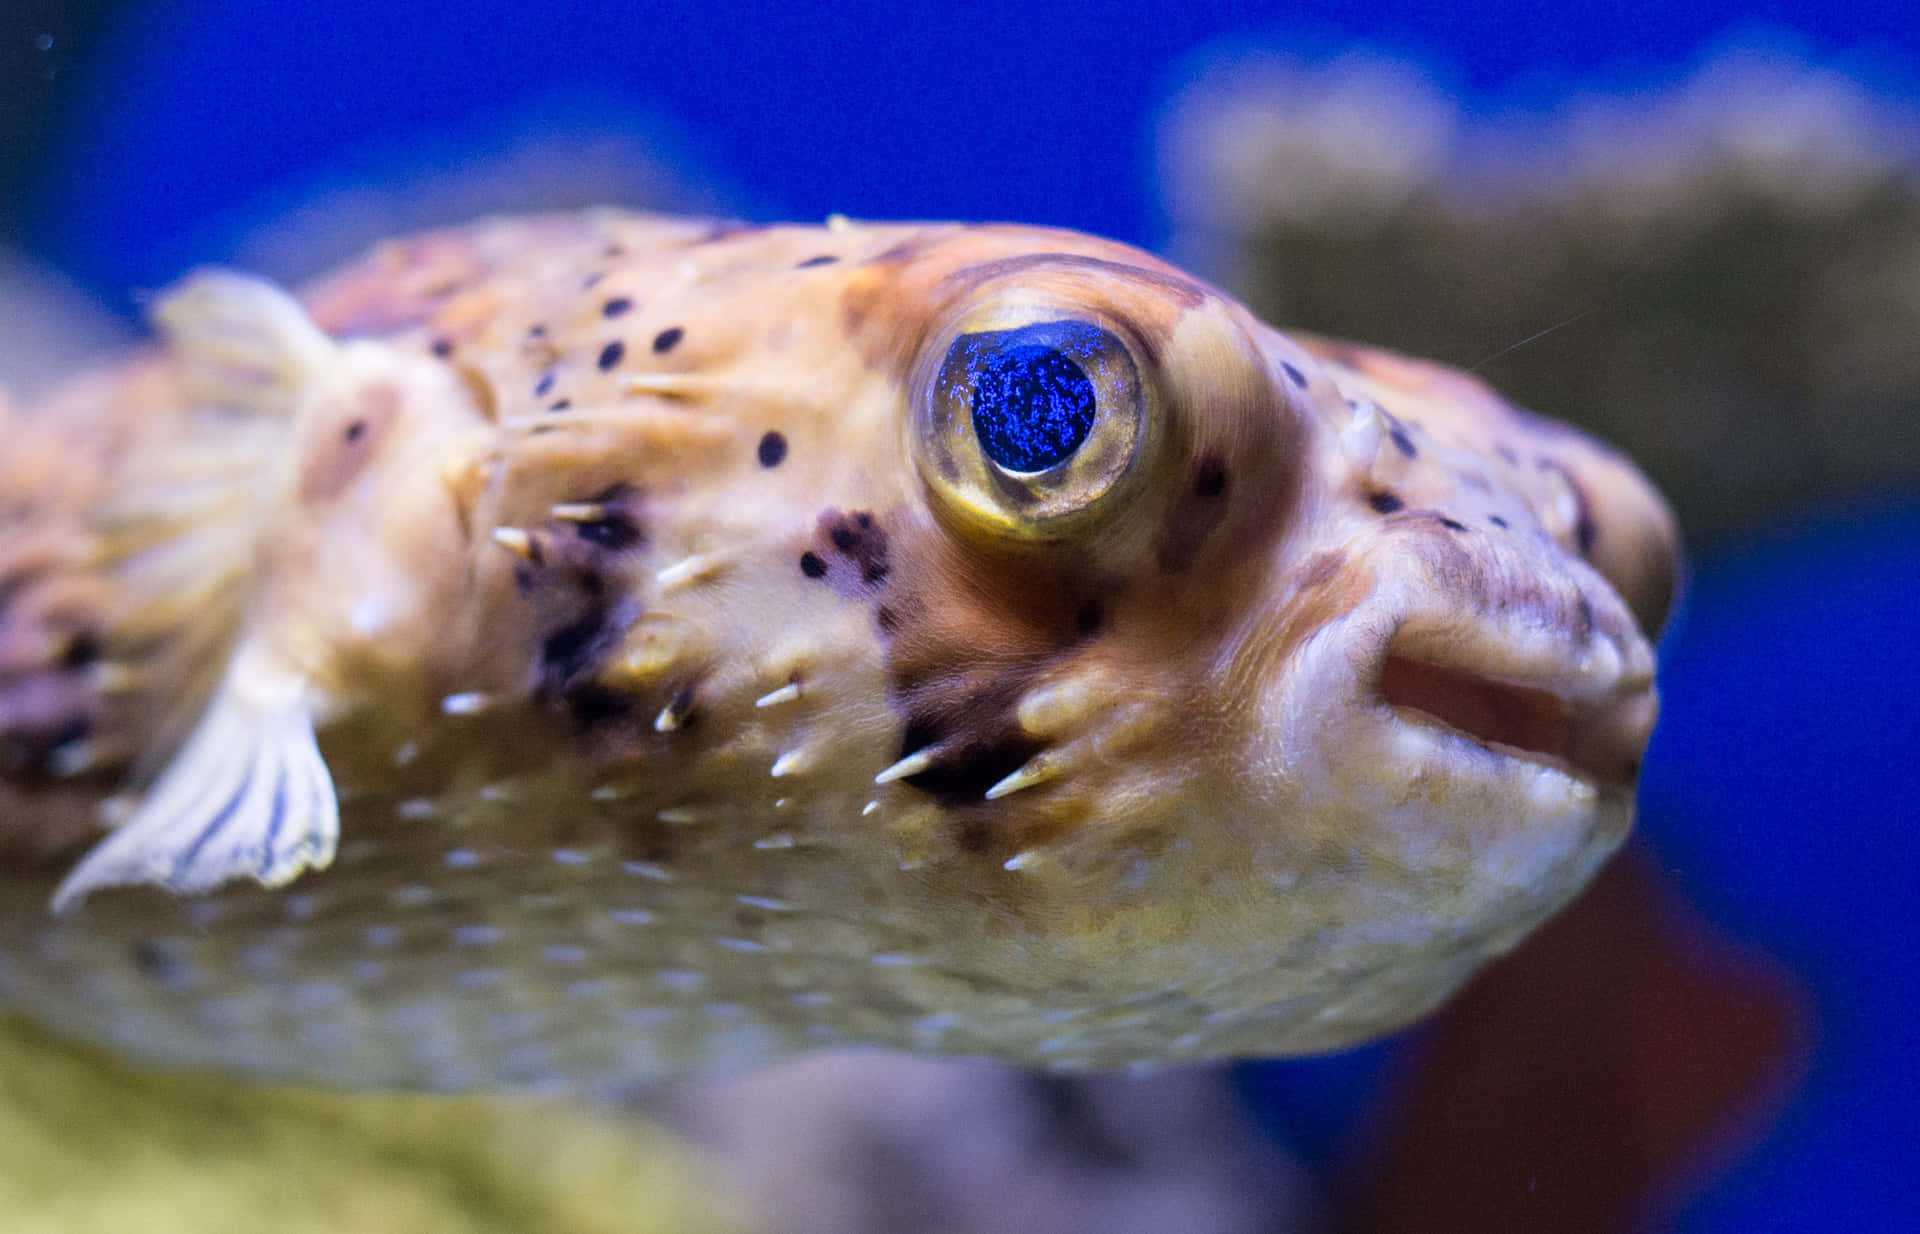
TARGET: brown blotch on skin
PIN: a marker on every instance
(979, 744)
(577, 647)
(593, 705)
(853, 547)
(1193, 519)
(1210, 477)
(83, 648)
(618, 528)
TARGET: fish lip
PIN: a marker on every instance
(1528, 693)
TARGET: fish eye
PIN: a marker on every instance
(1031, 402)
(1025, 424)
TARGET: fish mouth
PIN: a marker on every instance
(1587, 716)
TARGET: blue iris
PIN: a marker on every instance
(1033, 404)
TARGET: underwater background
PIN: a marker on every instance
(1693, 228)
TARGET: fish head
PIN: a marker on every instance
(1286, 673)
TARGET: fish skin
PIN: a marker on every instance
(610, 700)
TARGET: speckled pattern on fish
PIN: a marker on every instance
(574, 649)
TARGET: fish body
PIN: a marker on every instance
(581, 648)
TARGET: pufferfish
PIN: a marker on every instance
(575, 649)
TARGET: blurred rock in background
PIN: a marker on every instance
(1721, 275)
(872, 1143)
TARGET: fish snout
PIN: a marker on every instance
(1524, 652)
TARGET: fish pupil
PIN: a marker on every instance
(1033, 405)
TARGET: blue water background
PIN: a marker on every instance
(1783, 793)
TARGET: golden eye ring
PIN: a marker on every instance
(1030, 418)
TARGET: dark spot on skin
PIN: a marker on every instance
(580, 640)
(82, 649)
(973, 835)
(824, 259)
(536, 331)
(560, 404)
(613, 251)
(1192, 521)
(1402, 442)
(157, 961)
(356, 430)
(773, 449)
(858, 542)
(617, 531)
(524, 578)
(1384, 503)
(572, 649)
(592, 704)
(618, 527)
(443, 347)
(74, 728)
(812, 566)
(616, 306)
(592, 280)
(544, 386)
(1209, 478)
(652, 841)
(667, 340)
(1497, 521)
(1506, 452)
(1452, 524)
(1474, 480)
(682, 706)
(1294, 375)
(969, 764)
(611, 355)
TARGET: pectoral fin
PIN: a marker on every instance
(242, 343)
(248, 796)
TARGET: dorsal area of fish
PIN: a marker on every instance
(586, 647)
